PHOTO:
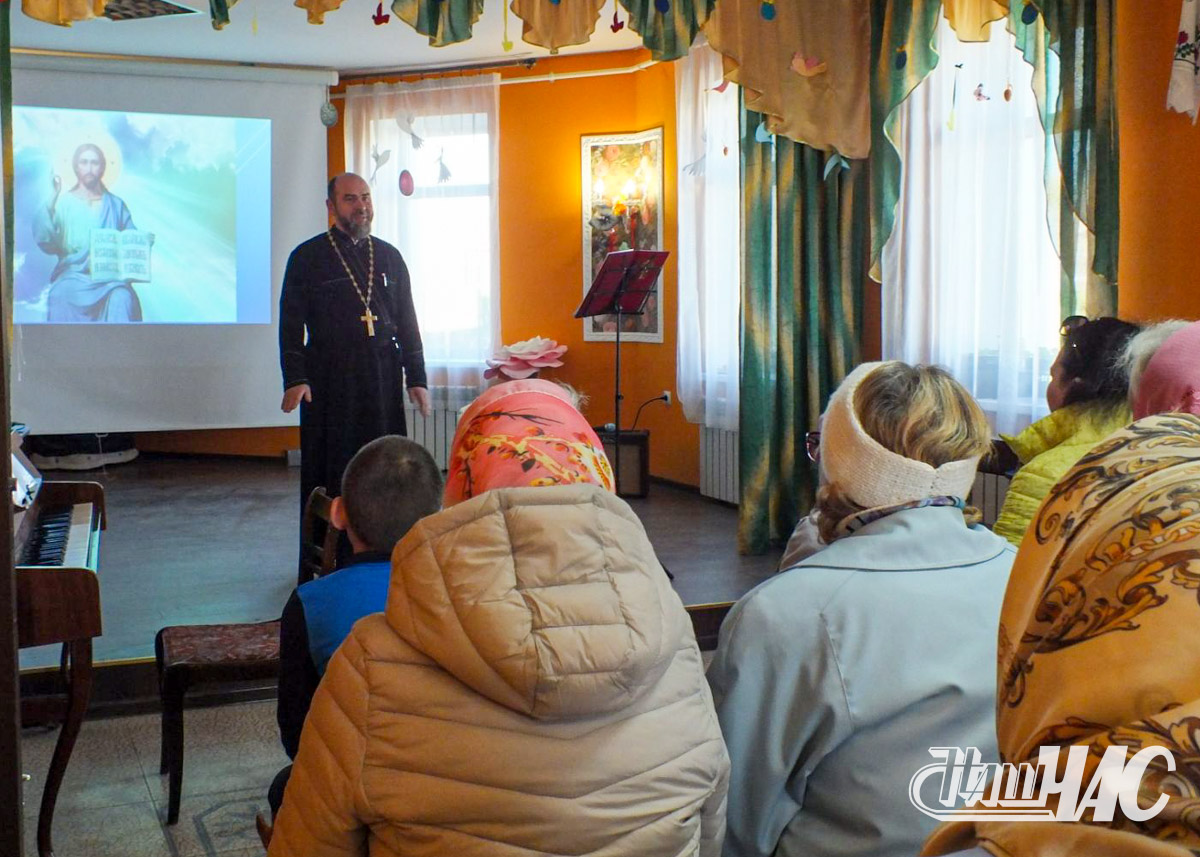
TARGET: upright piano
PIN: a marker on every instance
(56, 529)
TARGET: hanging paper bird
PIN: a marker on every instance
(380, 158)
(762, 135)
(443, 170)
(808, 66)
(406, 125)
(767, 10)
(696, 167)
(979, 96)
(379, 17)
(617, 25)
(721, 87)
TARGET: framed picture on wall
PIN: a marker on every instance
(622, 210)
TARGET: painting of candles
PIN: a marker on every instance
(622, 210)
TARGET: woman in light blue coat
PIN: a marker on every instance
(835, 678)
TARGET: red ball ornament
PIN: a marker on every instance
(406, 183)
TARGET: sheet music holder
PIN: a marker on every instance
(621, 287)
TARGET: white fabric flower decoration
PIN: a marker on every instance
(524, 359)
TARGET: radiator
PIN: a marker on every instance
(988, 495)
(434, 432)
(719, 464)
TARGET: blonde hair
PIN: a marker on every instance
(919, 412)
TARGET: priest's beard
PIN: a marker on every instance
(357, 231)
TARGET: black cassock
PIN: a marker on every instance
(357, 380)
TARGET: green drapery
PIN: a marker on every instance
(668, 35)
(804, 257)
(1071, 45)
(443, 21)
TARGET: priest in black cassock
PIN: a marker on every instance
(351, 292)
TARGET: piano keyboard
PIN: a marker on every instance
(62, 537)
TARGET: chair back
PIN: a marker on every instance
(318, 538)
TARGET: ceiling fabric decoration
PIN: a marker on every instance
(554, 25)
(806, 67)
(316, 10)
(63, 12)
(219, 10)
(971, 19)
(668, 27)
(444, 21)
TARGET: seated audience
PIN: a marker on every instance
(834, 678)
(534, 685)
(1088, 398)
(1164, 369)
(388, 486)
(1099, 636)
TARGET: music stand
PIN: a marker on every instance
(621, 287)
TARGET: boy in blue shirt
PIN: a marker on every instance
(389, 485)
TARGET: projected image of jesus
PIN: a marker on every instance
(83, 288)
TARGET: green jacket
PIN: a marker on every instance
(1047, 450)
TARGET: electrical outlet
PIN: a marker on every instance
(666, 396)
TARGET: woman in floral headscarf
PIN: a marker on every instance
(1100, 642)
(534, 685)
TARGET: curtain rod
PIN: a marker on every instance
(160, 66)
(550, 77)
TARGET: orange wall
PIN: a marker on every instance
(1160, 171)
(541, 267)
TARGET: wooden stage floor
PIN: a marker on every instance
(214, 539)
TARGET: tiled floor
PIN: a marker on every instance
(113, 801)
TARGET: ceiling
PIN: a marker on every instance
(348, 41)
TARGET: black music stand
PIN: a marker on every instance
(621, 287)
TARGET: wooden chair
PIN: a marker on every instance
(706, 622)
(318, 538)
(190, 655)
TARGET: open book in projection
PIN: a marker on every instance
(118, 254)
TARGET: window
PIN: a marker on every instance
(429, 151)
(971, 276)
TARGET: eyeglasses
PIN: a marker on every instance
(1070, 323)
(812, 445)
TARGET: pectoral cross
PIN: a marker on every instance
(369, 319)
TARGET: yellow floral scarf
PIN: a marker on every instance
(1100, 642)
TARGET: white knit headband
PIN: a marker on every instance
(870, 475)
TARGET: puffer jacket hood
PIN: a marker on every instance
(548, 627)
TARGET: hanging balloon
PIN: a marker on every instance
(901, 58)
(1029, 14)
(406, 183)
(768, 10)
(663, 6)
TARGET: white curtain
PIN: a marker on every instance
(430, 152)
(971, 278)
(709, 257)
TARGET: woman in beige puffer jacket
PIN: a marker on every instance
(534, 686)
